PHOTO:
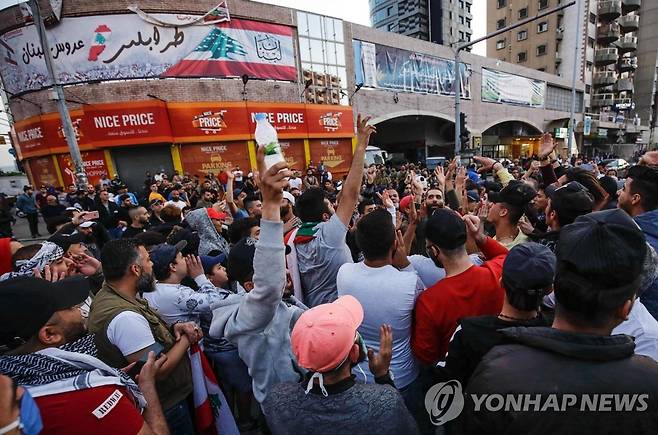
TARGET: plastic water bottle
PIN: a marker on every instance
(266, 137)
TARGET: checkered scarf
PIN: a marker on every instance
(73, 366)
(48, 253)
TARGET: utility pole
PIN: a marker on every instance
(576, 68)
(69, 132)
(460, 47)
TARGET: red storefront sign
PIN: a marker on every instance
(31, 136)
(293, 151)
(208, 122)
(336, 154)
(329, 121)
(93, 161)
(214, 157)
(43, 171)
(289, 120)
(52, 126)
(127, 123)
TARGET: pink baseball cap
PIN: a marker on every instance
(324, 335)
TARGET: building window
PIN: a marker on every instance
(592, 18)
(468, 8)
(392, 27)
(468, 37)
(468, 22)
(590, 42)
(500, 24)
(541, 50)
(461, 35)
(522, 57)
(543, 4)
(542, 27)
(588, 89)
(523, 13)
(589, 66)
(461, 4)
(461, 19)
(522, 35)
(502, 3)
(500, 44)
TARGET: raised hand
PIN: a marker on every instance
(86, 264)
(386, 199)
(364, 130)
(474, 228)
(194, 266)
(380, 362)
(440, 176)
(486, 163)
(400, 259)
(546, 145)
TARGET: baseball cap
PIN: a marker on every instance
(323, 336)
(214, 214)
(289, 196)
(155, 202)
(240, 266)
(605, 249)
(516, 193)
(404, 202)
(473, 196)
(572, 197)
(446, 229)
(26, 304)
(87, 224)
(529, 268)
(164, 254)
(208, 262)
(65, 241)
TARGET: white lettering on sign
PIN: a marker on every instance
(106, 121)
(137, 119)
(212, 122)
(270, 117)
(107, 406)
(30, 134)
(290, 118)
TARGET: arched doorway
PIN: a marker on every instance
(511, 139)
(413, 137)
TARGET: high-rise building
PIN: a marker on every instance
(442, 21)
(616, 54)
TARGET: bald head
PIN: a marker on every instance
(649, 158)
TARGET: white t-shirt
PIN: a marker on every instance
(388, 296)
(295, 183)
(130, 332)
(180, 204)
(429, 272)
(238, 175)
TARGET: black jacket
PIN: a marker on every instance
(554, 363)
(108, 217)
(472, 340)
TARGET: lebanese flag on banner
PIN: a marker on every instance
(211, 411)
(231, 49)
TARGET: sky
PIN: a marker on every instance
(355, 11)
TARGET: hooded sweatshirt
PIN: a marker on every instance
(259, 323)
(546, 364)
(211, 240)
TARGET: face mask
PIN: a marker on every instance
(30, 416)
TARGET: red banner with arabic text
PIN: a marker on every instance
(93, 161)
(208, 121)
(289, 120)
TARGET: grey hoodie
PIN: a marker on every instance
(259, 323)
(209, 238)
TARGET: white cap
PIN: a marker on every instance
(87, 224)
(289, 196)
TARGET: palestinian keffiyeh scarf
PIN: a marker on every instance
(306, 233)
(71, 367)
(48, 253)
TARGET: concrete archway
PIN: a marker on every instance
(513, 119)
(511, 138)
(403, 113)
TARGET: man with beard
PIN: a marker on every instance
(288, 217)
(433, 202)
(127, 329)
(69, 389)
(139, 220)
(467, 290)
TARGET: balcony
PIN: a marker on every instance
(608, 33)
(606, 78)
(606, 56)
(627, 44)
(629, 23)
(624, 85)
(559, 35)
(630, 6)
(627, 64)
(603, 100)
(609, 10)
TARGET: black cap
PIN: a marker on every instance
(573, 197)
(446, 229)
(164, 254)
(240, 266)
(605, 249)
(65, 241)
(516, 193)
(26, 304)
(529, 268)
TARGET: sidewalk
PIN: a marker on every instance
(22, 230)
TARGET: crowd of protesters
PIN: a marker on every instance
(290, 304)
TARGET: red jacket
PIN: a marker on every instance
(474, 292)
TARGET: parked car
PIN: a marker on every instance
(617, 164)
